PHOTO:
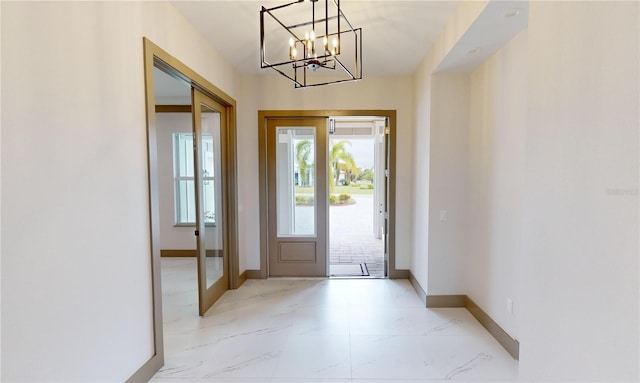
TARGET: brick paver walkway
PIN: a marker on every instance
(352, 240)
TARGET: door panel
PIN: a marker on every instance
(297, 196)
(210, 127)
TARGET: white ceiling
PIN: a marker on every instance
(169, 90)
(499, 22)
(396, 35)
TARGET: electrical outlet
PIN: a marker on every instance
(509, 306)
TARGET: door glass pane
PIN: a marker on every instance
(183, 154)
(186, 201)
(208, 168)
(211, 193)
(295, 181)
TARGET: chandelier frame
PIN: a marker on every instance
(311, 61)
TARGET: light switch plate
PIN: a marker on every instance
(444, 215)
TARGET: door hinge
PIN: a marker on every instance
(386, 173)
(386, 215)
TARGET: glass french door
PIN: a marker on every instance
(209, 132)
(297, 196)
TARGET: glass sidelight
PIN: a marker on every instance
(297, 203)
(295, 184)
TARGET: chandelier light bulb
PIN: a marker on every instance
(313, 35)
(293, 52)
(325, 41)
(306, 35)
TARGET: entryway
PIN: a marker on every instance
(326, 193)
(357, 225)
(192, 192)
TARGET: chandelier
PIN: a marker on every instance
(325, 49)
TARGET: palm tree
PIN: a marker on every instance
(341, 161)
(303, 154)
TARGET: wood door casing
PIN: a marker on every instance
(293, 254)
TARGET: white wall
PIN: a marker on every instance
(580, 260)
(76, 297)
(552, 189)
(465, 15)
(276, 92)
(495, 192)
(448, 183)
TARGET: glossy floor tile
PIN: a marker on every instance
(322, 330)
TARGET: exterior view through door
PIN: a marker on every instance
(326, 196)
(357, 156)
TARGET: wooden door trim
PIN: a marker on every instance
(156, 56)
(319, 239)
(263, 115)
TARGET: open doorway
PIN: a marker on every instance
(357, 199)
(301, 181)
(208, 159)
(189, 147)
(176, 196)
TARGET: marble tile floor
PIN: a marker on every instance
(323, 330)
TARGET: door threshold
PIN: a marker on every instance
(356, 277)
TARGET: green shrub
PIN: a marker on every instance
(366, 186)
(344, 197)
(333, 199)
(301, 200)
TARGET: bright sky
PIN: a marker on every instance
(362, 151)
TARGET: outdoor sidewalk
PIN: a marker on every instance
(351, 238)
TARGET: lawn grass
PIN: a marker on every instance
(338, 190)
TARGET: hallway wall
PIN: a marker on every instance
(423, 216)
(495, 194)
(76, 277)
(579, 284)
(276, 92)
(448, 183)
(552, 190)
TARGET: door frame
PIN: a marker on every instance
(300, 263)
(208, 295)
(264, 115)
(154, 56)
